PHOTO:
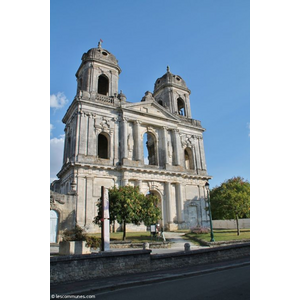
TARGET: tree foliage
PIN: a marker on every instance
(231, 200)
(128, 205)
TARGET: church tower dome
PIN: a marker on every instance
(99, 72)
(170, 80)
(171, 92)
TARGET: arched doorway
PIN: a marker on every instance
(53, 226)
(159, 196)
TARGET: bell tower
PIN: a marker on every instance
(98, 73)
(171, 92)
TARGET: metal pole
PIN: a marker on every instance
(212, 239)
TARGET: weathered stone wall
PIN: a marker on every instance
(65, 206)
(81, 267)
(231, 224)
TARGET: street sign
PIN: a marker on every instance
(153, 228)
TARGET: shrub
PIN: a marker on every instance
(75, 234)
(93, 241)
(200, 230)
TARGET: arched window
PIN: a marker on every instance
(102, 146)
(150, 151)
(188, 159)
(103, 84)
(181, 107)
(160, 102)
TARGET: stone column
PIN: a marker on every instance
(137, 142)
(81, 201)
(168, 202)
(116, 140)
(124, 139)
(177, 147)
(77, 136)
(179, 203)
(83, 134)
(197, 154)
(111, 144)
(195, 164)
(188, 106)
(65, 146)
(89, 207)
(139, 184)
(165, 144)
(92, 138)
(203, 163)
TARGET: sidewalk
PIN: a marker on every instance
(93, 286)
(174, 237)
(178, 242)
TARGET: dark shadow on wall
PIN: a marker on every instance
(68, 222)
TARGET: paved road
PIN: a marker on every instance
(100, 285)
(231, 284)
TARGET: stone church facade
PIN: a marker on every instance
(154, 144)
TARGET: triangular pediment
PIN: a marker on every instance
(151, 108)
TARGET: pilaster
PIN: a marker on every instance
(177, 147)
(179, 203)
(137, 141)
(168, 202)
(124, 138)
(203, 162)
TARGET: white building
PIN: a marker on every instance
(154, 144)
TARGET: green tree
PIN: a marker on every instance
(128, 205)
(231, 200)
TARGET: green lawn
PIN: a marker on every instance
(220, 235)
(135, 237)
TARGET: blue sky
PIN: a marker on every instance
(206, 42)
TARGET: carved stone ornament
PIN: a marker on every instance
(187, 140)
(102, 124)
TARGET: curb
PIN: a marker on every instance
(153, 280)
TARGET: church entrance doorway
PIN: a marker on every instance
(53, 226)
(158, 195)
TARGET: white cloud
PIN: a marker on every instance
(51, 127)
(58, 101)
(56, 156)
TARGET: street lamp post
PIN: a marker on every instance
(210, 216)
